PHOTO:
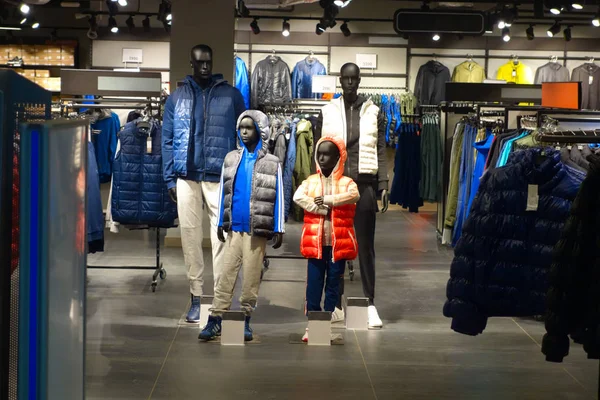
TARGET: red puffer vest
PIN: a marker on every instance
(344, 242)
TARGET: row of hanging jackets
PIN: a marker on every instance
(272, 82)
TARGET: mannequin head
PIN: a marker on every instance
(201, 57)
(350, 80)
(328, 156)
(249, 134)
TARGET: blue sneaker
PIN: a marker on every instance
(212, 329)
(247, 331)
(193, 315)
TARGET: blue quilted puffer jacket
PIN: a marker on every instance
(140, 195)
(503, 257)
(195, 142)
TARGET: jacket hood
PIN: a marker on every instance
(262, 125)
(338, 170)
(215, 79)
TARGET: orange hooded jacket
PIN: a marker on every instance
(343, 206)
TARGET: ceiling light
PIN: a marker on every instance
(436, 37)
(506, 34)
(112, 24)
(35, 24)
(554, 29)
(555, 10)
(567, 34)
(345, 30)
(342, 3)
(9, 28)
(596, 20)
(285, 28)
(123, 3)
(93, 31)
(113, 8)
(501, 24)
(23, 21)
(146, 24)
(530, 33)
(254, 26)
(320, 29)
(577, 6)
(130, 23)
(24, 8)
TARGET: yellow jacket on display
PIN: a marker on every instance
(518, 72)
(468, 72)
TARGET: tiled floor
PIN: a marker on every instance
(137, 350)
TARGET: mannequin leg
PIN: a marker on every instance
(254, 252)
(210, 193)
(364, 226)
(231, 268)
(189, 208)
(332, 286)
(315, 279)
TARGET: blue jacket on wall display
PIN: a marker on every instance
(242, 80)
(94, 213)
(105, 144)
(199, 129)
(140, 195)
(303, 75)
(503, 257)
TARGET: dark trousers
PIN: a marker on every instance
(364, 225)
(317, 270)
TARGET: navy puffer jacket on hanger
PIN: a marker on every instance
(503, 257)
(140, 195)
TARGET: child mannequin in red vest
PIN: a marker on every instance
(328, 238)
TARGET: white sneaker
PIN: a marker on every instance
(374, 320)
(337, 315)
(305, 337)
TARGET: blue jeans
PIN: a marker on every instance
(317, 269)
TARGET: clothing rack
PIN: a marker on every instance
(139, 91)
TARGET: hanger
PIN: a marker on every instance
(311, 55)
(515, 59)
(434, 57)
(273, 55)
(470, 57)
(590, 60)
(553, 58)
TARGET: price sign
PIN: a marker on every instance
(366, 61)
(133, 56)
(323, 84)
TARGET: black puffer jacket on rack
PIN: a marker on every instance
(271, 82)
(574, 294)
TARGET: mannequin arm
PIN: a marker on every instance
(385, 201)
(173, 194)
(306, 202)
(220, 234)
(351, 196)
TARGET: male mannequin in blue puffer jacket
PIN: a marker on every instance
(199, 129)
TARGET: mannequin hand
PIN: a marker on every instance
(220, 234)
(173, 194)
(278, 240)
(319, 201)
(385, 201)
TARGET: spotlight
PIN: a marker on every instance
(320, 28)
(345, 30)
(122, 3)
(567, 34)
(501, 24)
(24, 8)
(555, 10)
(342, 3)
(112, 24)
(254, 26)
(113, 8)
(436, 37)
(511, 16)
(554, 29)
(530, 33)
(285, 28)
(23, 21)
(93, 31)
(34, 23)
(146, 24)
(167, 26)
(506, 34)
(130, 23)
(577, 6)
(596, 20)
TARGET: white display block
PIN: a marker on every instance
(205, 306)
(232, 328)
(324, 84)
(319, 328)
(357, 313)
(368, 61)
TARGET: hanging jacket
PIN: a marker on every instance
(199, 130)
(468, 72)
(242, 80)
(502, 260)
(482, 148)
(342, 201)
(303, 75)
(453, 184)
(105, 144)
(573, 304)
(94, 213)
(551, 72)
(304, 152)
(139, 193)
(271, 82)
(288, 170)
(430, 85)
(515, 72)
(255, 194)
(589, 76)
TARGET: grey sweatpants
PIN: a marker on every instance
(247, 252)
